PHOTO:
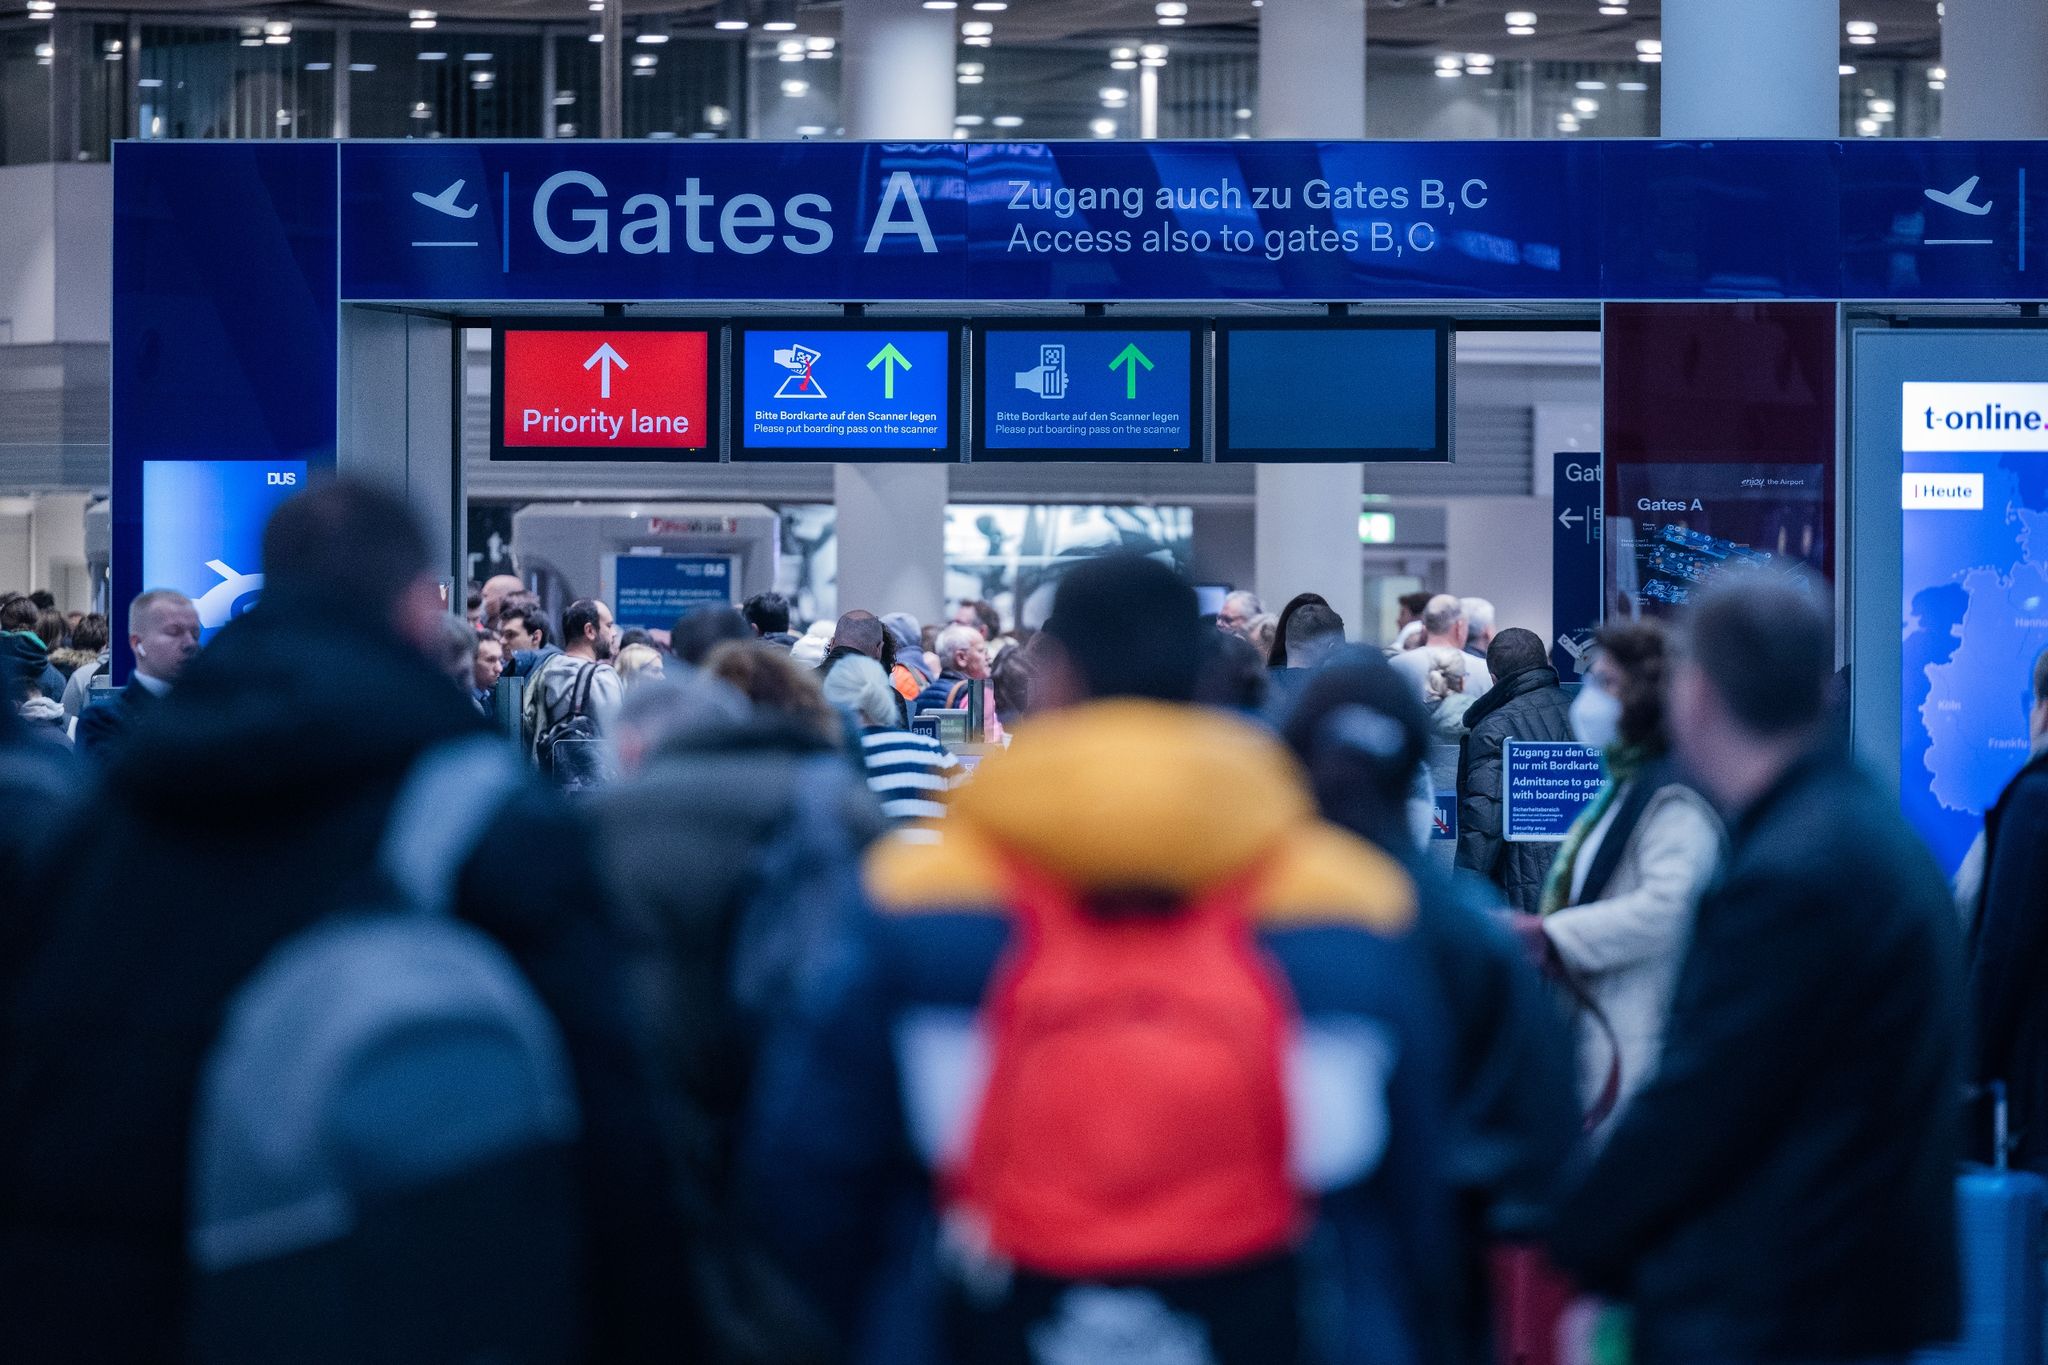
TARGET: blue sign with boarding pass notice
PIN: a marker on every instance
(653, 590)
(1544, 787)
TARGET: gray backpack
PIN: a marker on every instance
(381, 1156)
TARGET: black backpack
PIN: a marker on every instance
(568, 751)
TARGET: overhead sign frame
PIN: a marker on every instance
(709, 452)
(946, 452)
(1195, 330)
(1231, 451)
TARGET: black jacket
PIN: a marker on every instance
(1525, 705)
(1784, 1187)
(247, 808)
(102, 728)
(2009, 961)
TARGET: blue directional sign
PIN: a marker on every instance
(1122, 392)
(1544, 786)
(1613, 219)
(1575, 513)
(826, 389)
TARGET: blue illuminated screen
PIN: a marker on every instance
(1337, 390)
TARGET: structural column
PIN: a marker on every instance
(1752, 68)
(1305, 517)
(1997, 80)
(895, 84)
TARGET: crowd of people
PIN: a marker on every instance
(728, 1014)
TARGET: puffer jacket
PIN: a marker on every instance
(872, 1083)
(1526, 705)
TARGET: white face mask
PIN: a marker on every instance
(1596, 716)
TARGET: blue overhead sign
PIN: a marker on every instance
(1098, 393)
(652, 591)
(822, 390)
(1575, 515)
(484, 221)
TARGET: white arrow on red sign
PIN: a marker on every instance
(606, 356)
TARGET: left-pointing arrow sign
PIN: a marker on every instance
(1568, 517)
(604, 355)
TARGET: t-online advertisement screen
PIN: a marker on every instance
(1329, 391)
(1974, 501)
(604, 393)
(1124, 392)
(828, 390)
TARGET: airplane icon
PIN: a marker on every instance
(444, 202)
(1959, 198)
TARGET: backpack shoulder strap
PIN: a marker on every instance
(440, 813)
(579, 691)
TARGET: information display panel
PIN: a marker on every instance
(651, 591)
(1545, 785)
(1332, 389)
(1111, 390)
(838, 388)
(202, 532)
(605, 390)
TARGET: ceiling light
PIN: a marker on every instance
(1007, 121)
(1156, 51)
(644, 60)
(991, 6)
(277, 39)
(970, 69)
(1123, 66)
(1103, 127)
(1860, 28)
(596, 37)
(1112, 94)
(1447, 62)
(789, 45)
(820, 44)
(476, 56)
(1937, 73)
(1154, 62)
(1177, 9)
(1861, 42)
(942, 4)
(1845, 70)
(655, 32)
(716, 115)
(42, 6)
(1592, 85)
(779, 16)
(811, 130)
(1521, 18)
(433, 56)
(421, 18)
(277, 27)
(156, 83)
(1521, 31)
(1583, 105)
(968, 121)
(1868, 127)
(969, 80)
(977, 28)
(1171, 21)
(1243, 114)
(565, 130)
(363, 68)
(1615, 11)
(1116, 54)
(732, 16)
(796, 90)
(564, 98)
(983, 41)
(1649, 50)
(1479, 59)
(1452, 72)
(1635, 86)
(1937, 85)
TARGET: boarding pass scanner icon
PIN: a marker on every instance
(1049, 380)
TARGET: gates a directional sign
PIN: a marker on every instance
(1576, 505)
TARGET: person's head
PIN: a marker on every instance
(767, 613)
(700, 630)
(490, 663)
(49, 628)
(904, 633)
(1121, 626)
(1515, 650)
(44, 599)
(91, 633)
(1622, 701)
(1446, 676)
(1262, 632)
(861, 632)
(962, 650)
(1240, 609)
(1478, 622)
(666, 708)
(583, 628)
(1412, 605)
(496, 589)
(1411, 636)
(473, 604)
(607, 632)
(163, 631)
(1359, 730)
(981, 615)
(1751, 679)
(1277, 656)
(2037, 727)
(1443, 622)
(522, 625)
(1010, 680)
(858, 686)
(19, 613)
(1234, 674)
(1313, 634)
(458, 652)
(638, 665)
(776, 683)
(352, 551)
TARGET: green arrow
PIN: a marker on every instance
(1131, 356)
(889, 357)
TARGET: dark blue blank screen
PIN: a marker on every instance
(1338, 390)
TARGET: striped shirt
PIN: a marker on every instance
(909, 774)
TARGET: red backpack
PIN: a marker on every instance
(1135, 1120)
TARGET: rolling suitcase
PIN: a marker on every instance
(2002, 1234)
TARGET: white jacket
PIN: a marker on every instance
(1626, 947)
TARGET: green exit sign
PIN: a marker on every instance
(1376, 528)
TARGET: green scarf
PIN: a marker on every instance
(1623, 762)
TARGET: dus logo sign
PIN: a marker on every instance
(281, 478)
